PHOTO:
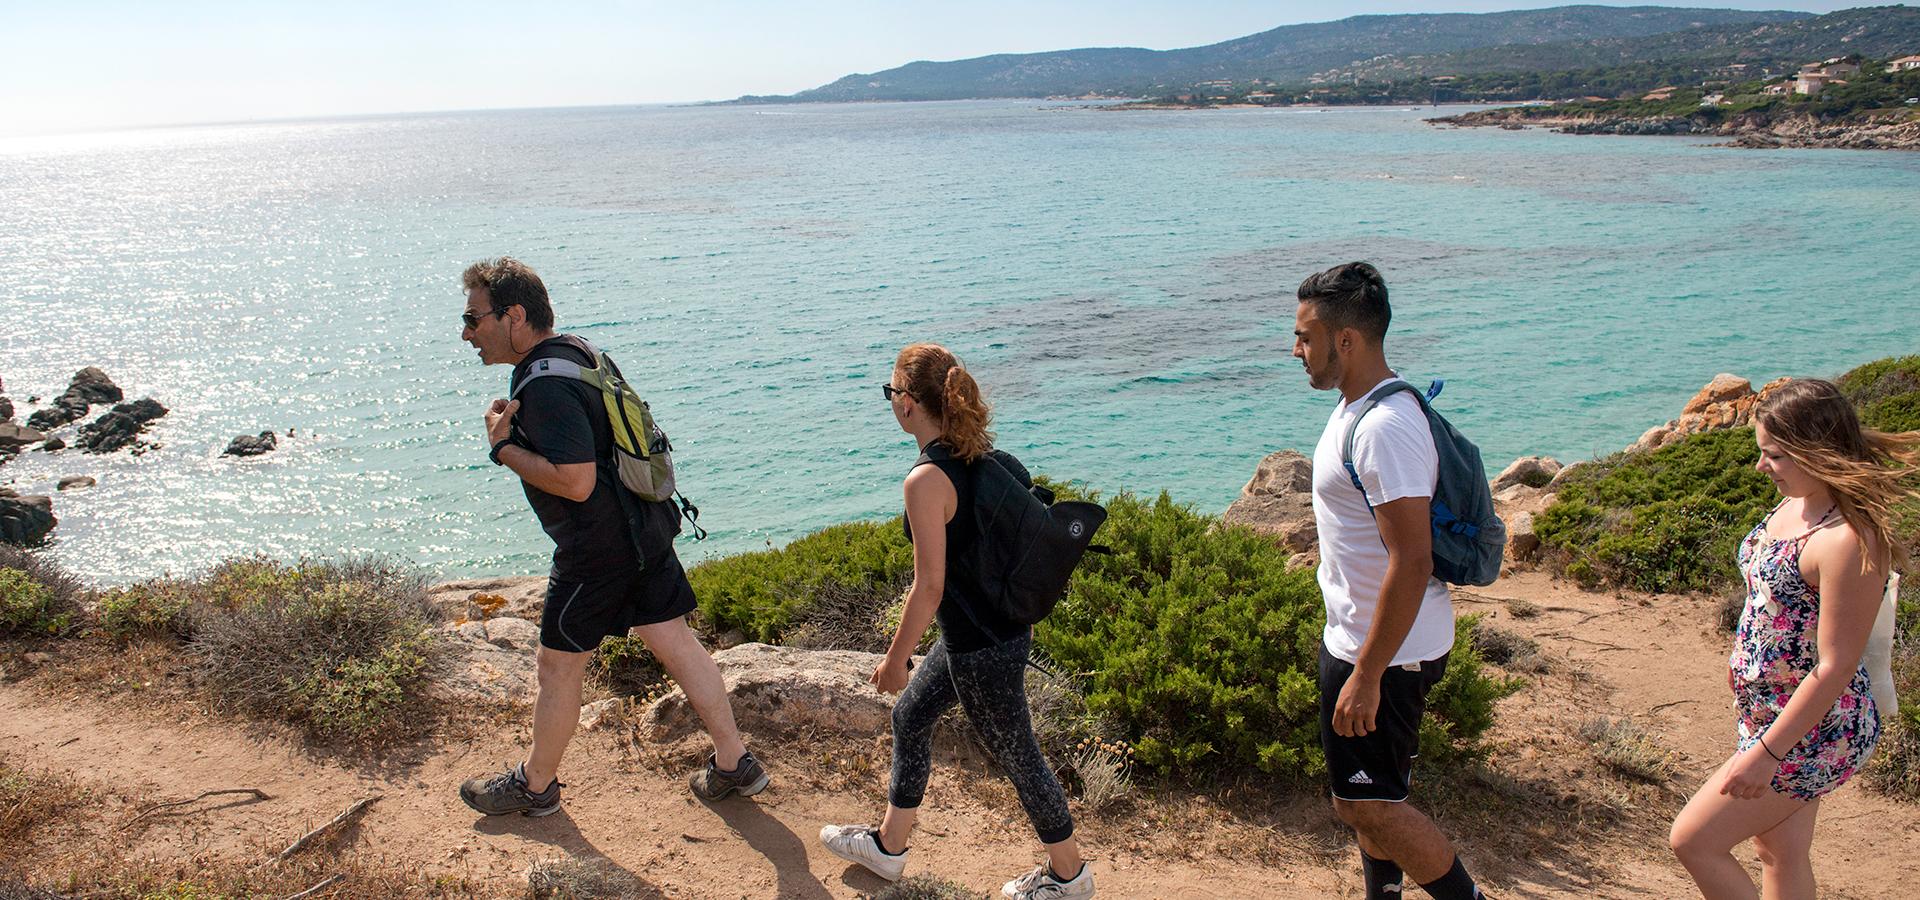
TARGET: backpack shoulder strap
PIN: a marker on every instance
(1367, 404)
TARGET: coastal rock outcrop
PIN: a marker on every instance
(785, 687)
(1278, 501)
(251, 445)
(14, 437)
(88, 387)
(77, 481)
(120, 427)
(492, 660)
(519, 597)
(1727, 401)
(1527, 471)
(25, 520)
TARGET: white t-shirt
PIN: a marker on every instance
(1394, 454)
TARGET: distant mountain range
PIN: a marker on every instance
(1398, 47)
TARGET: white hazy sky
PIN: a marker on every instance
(81, 64)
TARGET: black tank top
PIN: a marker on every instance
(984, 628)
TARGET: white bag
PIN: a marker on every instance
(1878, 659)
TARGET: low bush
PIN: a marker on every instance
(626, 667)
(759, 593)
(345, 650)
(155, 608)
(1887, 391)
(1895, 767)
(30, 801)
(37, 598)
(1670, 520)
(588, 878)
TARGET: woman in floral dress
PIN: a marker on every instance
(1816, 570)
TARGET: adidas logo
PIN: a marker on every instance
(1360, 777)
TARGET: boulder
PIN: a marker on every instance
(1522, 544)
(783, 688)
(1530, 471)
(1278, 501)
(25, 520)
(602, 713)
(519, 597)
(53, 444)
(88, 387)
(490, 661)
(17, 436)
(6, 410)
(77, 481)
(251, 445)
(1728, 401)
(120, 427)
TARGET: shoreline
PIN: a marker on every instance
(1749, 131)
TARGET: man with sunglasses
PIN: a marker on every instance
(557, 438)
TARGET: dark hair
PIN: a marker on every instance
(937, 381)
(510, 282)
(1869, 472)
(1350, 296)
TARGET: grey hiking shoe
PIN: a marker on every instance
(747, 779)
(506, 792)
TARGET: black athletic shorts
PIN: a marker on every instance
(581, 614)
(1378, 766)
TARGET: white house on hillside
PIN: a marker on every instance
(1904, 64)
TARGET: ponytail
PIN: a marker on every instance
(966, 416)
(943, 387)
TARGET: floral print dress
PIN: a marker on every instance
(1774, 650)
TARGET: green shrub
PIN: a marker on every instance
(760, 593)
(1196, 639)
(345, 650)
(1670, 520)
(625, 666)
(37, 598)
(1887, 391)
(150, 608)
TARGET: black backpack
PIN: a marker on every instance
(1026, 546)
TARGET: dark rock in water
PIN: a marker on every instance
(18, 436)
(6, 410)
(77, 481)
(53, 444)
(251, 445)
(25, 520)
(89, 386)
(120, 427)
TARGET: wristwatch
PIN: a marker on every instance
(494, 454)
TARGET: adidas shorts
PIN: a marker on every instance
(1378, 766)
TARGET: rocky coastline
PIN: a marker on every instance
(1754, 131)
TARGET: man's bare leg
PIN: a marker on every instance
(691, 667)
(556, 712)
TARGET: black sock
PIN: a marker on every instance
(1076, 873)
(877, 842)
(1383, 877)
(1455, 885)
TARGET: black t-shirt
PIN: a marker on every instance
(565, 420)
(968, 623)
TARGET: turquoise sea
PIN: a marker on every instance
(1121, 282)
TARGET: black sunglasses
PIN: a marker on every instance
(473, 321)
(889, 391)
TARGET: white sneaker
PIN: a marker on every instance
(1040, 884)
(861, 844)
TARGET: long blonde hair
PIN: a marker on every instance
(1869, 472)
(936, 380)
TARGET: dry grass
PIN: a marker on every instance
(1509, 650)
(846, 617)
(31, 802)
(1627, 749)
(593, 878)
(1522, 608)
(924, 887)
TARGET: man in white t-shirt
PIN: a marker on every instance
(1389, 622)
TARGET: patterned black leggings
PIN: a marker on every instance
(991, 685)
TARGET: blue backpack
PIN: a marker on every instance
(1469, 540)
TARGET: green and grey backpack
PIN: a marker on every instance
(642, 455)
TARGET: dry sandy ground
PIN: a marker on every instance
(1560, 825)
